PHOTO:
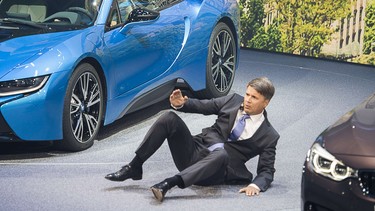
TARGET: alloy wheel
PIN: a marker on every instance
(85, 105)
(223, 61)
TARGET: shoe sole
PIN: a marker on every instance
(121, 180)
(158, 194)
(136, 178)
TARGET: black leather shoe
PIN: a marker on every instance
(124, 173)
(159, 190)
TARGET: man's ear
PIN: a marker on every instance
(266, 103)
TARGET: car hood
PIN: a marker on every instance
(354, 133)
(18, 51)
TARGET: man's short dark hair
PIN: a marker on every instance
(264, 86)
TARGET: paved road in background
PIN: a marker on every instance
(310, 95)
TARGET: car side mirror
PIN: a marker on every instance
(142, 14)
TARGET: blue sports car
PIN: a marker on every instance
(69, 67)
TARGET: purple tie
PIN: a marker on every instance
(237, 131)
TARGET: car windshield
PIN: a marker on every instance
(48, 13)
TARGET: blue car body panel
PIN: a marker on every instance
(133, 61)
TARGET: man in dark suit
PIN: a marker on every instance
(218, 154)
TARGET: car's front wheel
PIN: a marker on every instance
(221, 62)
(83, 109)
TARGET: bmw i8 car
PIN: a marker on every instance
(69, 67)
(339, 170)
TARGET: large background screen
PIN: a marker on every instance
(335, 29)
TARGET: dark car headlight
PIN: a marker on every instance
(22, 86)
(325, 164)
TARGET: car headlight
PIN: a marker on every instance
(22, 86)
(327, 165)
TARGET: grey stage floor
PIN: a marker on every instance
(310, 95)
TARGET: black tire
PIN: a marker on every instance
(83, 109)
(221, 62)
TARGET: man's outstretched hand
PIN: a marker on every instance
(176, 99)
(250, 191)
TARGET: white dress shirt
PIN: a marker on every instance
(252, 124)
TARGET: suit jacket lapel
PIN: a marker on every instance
(260, 132)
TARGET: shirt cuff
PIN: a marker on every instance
(177, 107)
(254, 185)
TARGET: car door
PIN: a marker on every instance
(142, 50)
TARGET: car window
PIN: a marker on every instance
(119, 12)
(79, 13)
(121, 9)
(114, 16)
(156, 4)
(125, 7)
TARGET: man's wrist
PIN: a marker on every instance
(254, 185)
(177, 107)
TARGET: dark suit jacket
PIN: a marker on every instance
(262, 143)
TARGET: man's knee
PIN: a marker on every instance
(169, 121)
(168, 117)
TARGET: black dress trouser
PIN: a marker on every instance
(197, 165)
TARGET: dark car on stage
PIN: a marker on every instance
(339, 171)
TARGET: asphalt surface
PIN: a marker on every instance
(310, 95)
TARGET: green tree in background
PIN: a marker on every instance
(369, 35)
(252, 16)
(368, 56)
(253, 32)
(305, 25)
(302, 27)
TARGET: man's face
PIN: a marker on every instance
(254, 103)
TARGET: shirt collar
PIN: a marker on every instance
(255, 117)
